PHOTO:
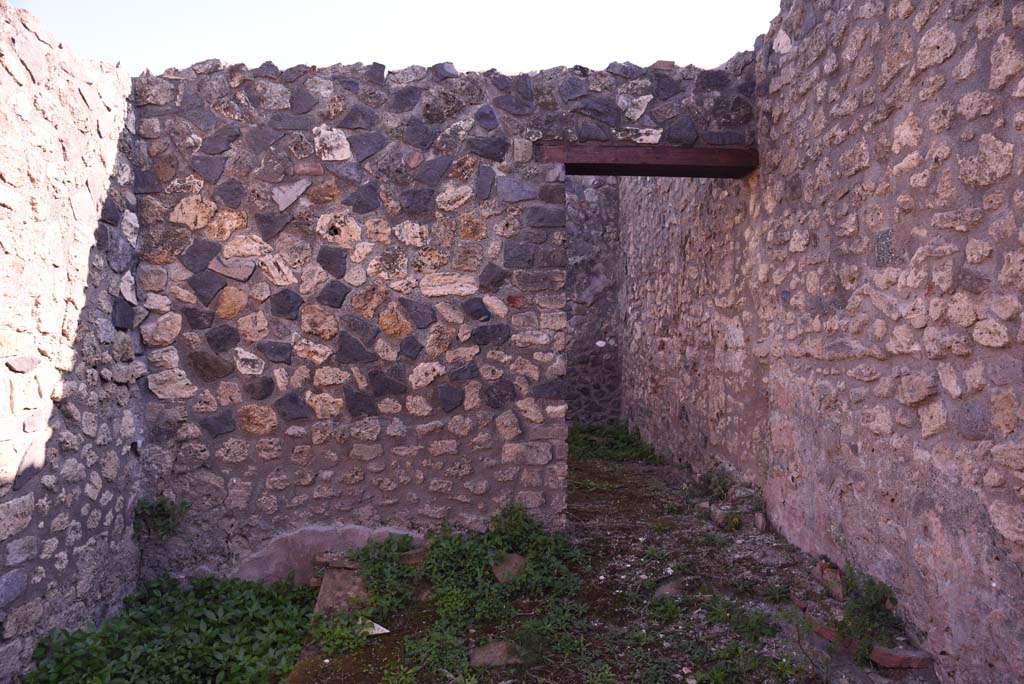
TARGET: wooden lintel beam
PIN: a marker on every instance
(590, 159)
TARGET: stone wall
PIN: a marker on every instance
(844, 327)
(356, 290)
(593, 279)
(68, 362)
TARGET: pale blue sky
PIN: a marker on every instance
(512, 36)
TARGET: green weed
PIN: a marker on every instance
(593, 486)
(338, 633)
(731, 521)
(664, 609)
(609, 443)
(714, 484)
(389, 581)
(211, 630)
(867, 614)
(776, 593)
(396, 673)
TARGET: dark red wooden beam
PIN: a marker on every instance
(597, 159)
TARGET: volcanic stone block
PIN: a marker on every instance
(600, 108)
(432, 171)
(350, 350)
(499, 393)
(198, 319)
(469, 371)
(198, 256)
(419, 134)
(405, 99)
(291, 407)
(302, 101)
(422, 315)
(220, 423)
(360, 404)
(230, 193)
(417, 201)
(410, 347)
(285, 304)
(492, 276)
(283, 121)
(359, 116)
(572, 88)
(484, 181)
(450, 397)
(333, 294)
(209, 366)
(365, 145)
(222, 338)
(206, 285)
(334, 260)
(221, 139)
(475, 308)
(515, 105)
(270, 225)
(146, 183)
(592, 131)
(519, 254)
(364, 199)
(261, 138)
(496, 333)
(365, 331)
(210, 168)
(385, 383)
(258, 388)
(488, 147)
(278, 352)
(122, 314)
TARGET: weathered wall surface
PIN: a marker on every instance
(593, 279)
(67, 368)
(844, 328)
(690, 382)
(356, 286)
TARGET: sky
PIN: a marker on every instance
(513, 36)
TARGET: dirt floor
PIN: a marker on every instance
(676, 587)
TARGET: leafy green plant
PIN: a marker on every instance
(752, 625)
(664, 609)
(655, 554)
(867, 613)
(714, 484)
(440, 652)
(673, 508)
(209, 630)
(600, 673)
(159, 518)
(396, 673)
(465, 591)
(552, 629)
(609, 443)
(338, 632)
(731, 521)
(593, 486)
(734, 663)
(389, 581)
(776, 593)
(714, 539)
